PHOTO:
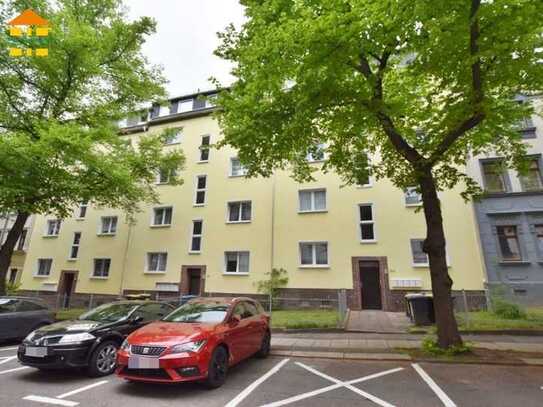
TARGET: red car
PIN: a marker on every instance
(198, 341)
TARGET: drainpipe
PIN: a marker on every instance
(272, 236)
(130, 226)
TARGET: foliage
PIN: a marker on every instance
(12, 288)
(503, 308)
(304, 319)
(489, 321)
(276, 280)
(430, 345)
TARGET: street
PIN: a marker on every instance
(279, 381)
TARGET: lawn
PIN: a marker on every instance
(487, 321)
(65, 314)
(299, 319)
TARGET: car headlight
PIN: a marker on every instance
(74, 338)
(189, 347)
(125, 346)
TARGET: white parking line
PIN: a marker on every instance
(329, 388)
(90, 386)
(14, 370)
(7, 359)
(50, 400)
(447, 402)
(239, 398)
(2, 349)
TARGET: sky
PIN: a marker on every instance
(185, 39)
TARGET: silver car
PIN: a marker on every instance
(19, 316)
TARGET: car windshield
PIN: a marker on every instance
(108, 312)
(198, 313)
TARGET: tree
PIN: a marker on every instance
(58, 142)
(277, 279)
(418, 84)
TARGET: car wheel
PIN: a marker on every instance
(265, 346)
(103, 360)
(218, 368)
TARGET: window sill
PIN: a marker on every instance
(195, 252)
(155, 272)
(162, 183)
(515, 263)
(49, 236)
(224, 273)
(98, 278)
(425, 266)
(237, 176)
(172, 144)
(199, 205)
(415, 205)
(315, 161)
(202, 162)
(79, 219)
(317, 211)
(41, 276)
(314, 266)
(373, 241)
(105, 234)
(365, 186)
(160, 226)
(70, 259)
(228, 222)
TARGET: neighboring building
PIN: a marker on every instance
(21, 247)
(510, 218)
(219, 232)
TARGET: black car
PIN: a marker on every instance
(20, 315)
(92, 340)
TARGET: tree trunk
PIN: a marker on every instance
(7, 248)
(434, 246)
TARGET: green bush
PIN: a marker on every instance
(429, 345)
(508, 310)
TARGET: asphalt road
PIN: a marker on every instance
(280, 381)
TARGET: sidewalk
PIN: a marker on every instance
(389, 347)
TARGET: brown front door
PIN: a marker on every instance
(195, 276)
(370, 284)
(67, 286)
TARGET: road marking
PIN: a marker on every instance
(7, 359)
(447, 402)
(90, 386)
(14, 370)
(15, 348)
(329, 388)
(239, 398)
(50, 400)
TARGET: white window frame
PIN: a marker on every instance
(153, 216)
(74, 244)
(411, 205)
(192, 235)
(237, 273)
(367, 222)
(310, 159)
(312, 192)
(208, 148)
(56, 230)
(196, 190)
(109, 232)
(38, 268)
(427, 264)
(93, 276)
(81, 206)
(177, 138)
(241, 202)
(159, 181)
(243, 170)
(314, 265)
(161, 255)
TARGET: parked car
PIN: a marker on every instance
(92, 340)
(20, 315)
(198, 341)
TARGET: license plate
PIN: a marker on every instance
(137, 362)
(36, 352)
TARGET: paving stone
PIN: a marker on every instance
(377, 356)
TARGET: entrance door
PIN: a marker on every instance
(194, 275)
(370, 284)
(67, 287)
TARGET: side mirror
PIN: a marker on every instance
(136, 320)
(235, 320)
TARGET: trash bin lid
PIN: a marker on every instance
(417, 295)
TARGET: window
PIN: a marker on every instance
(204, 148)
(174, 137)
(164, 176)
(538, 229)
(74, 251)
(494, 176)
(531, 181)
(44, 267)
(173, 107)
(82, 210)
(367, 223)
(155, 111)
(156, 262)
(314, 254)
(420, 258)
(236, 262)
(312, 200)
(22, 240)
(509, 243)
(109, 225)
(201, 185)
(412, 197)
(162, 216)
(198, 103)
(101, 268)
(53, 227)
(196, 240)
(12, 276)
(236, 168)
(239, 211)
(315, 153)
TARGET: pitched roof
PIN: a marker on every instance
(28, 17)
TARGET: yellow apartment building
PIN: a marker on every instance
(220, 232)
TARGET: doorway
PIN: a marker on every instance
(192, 280)
(370, 284)
(13, 276)
(67, 287)
(195, 275)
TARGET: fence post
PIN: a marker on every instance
(91, 301)
(342, 304)
(466, 308)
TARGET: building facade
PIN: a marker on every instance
(220, 232)
(19, 254)
(510, 218)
